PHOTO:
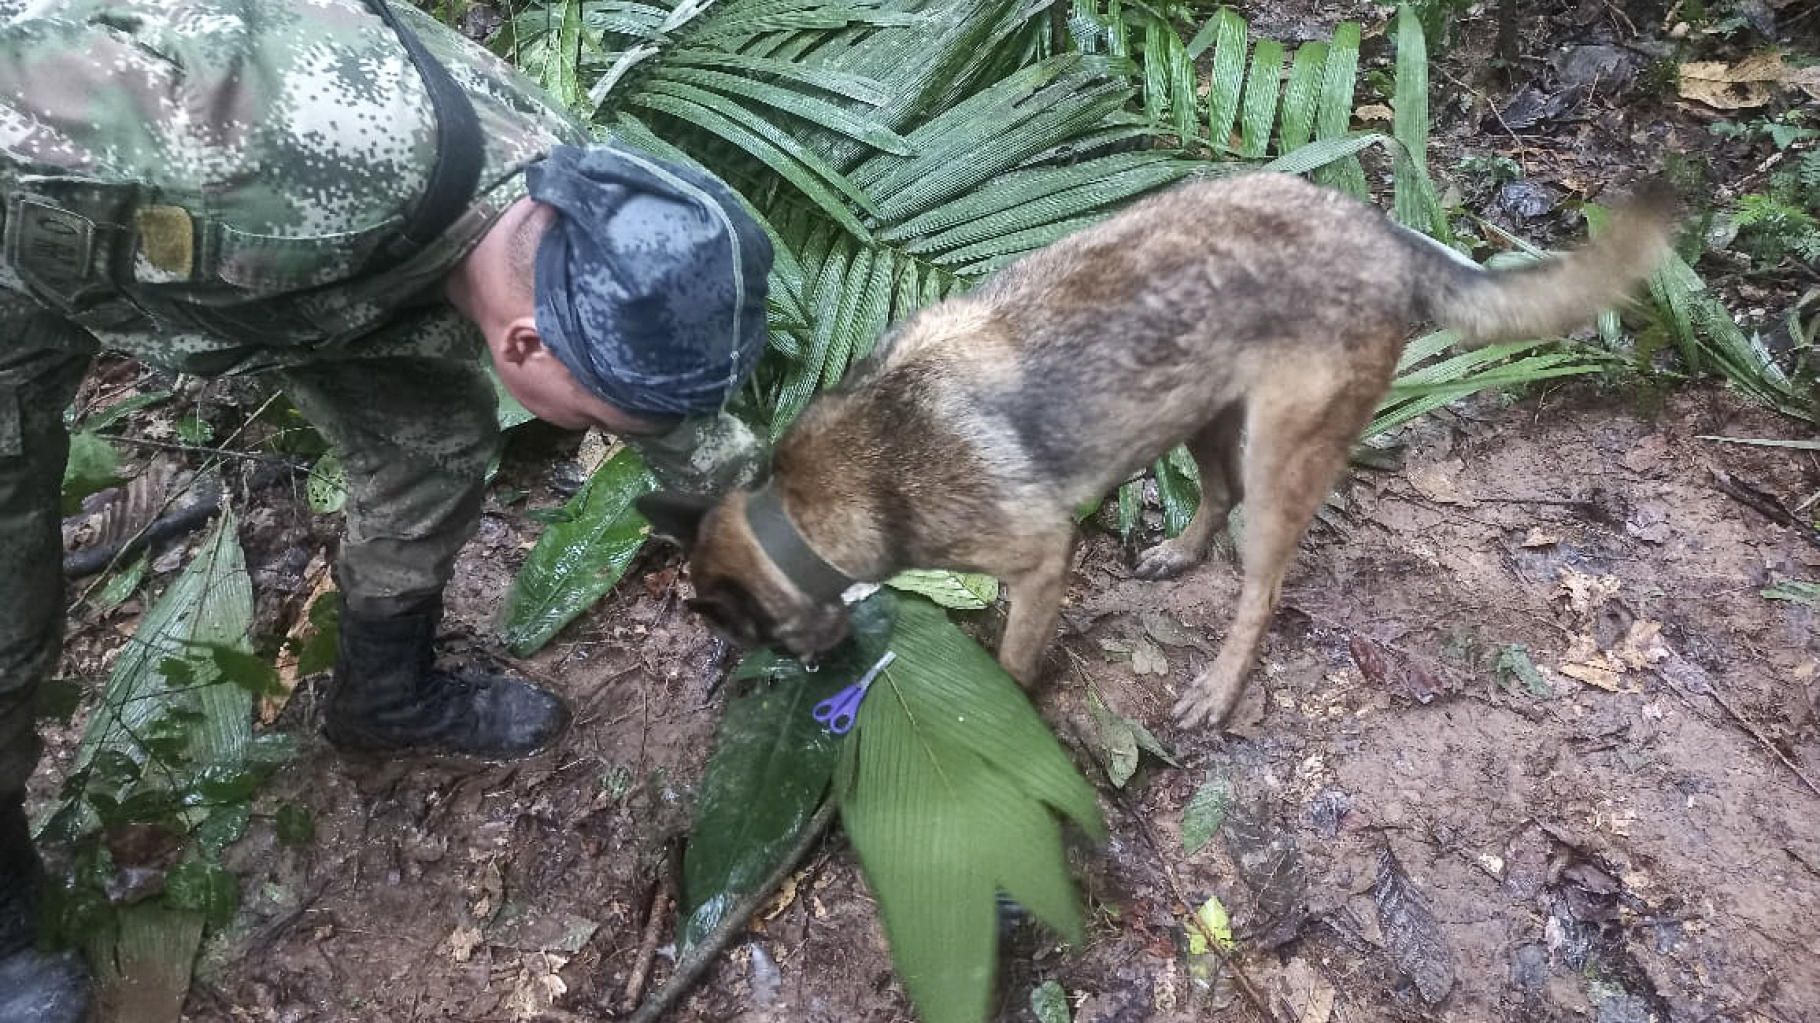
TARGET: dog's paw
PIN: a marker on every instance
(1207, 702)
(1166, 560)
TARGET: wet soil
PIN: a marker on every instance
(1635, 843)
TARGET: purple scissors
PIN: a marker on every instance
(839, 711)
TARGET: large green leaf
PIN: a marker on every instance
(770, 769)
(949, 787)
(93, 466)
(580, 558)
(1228, 77)
(1302, 96)
(209, 605)
(1410, 111)
(965, 591)
(1339, 79)
(169, 681)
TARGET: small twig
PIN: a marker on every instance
(647, 946)
(1757, 734)
(196, 449)
(1491, 106)
(1756, 499)
(690, 967)
(1749, 728)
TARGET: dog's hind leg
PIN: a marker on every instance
(1215, 448)
(1300, 436)
(1036, 605)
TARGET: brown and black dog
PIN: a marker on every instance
(1258, 304)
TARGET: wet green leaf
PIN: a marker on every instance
(1514, 662)
(193, 429)
(121, 585)
(769, 772)
(1205, 812)
(1211, 927)
(295, 825)
(223, 828)
(1049, 1003)
(220, 784)
(327, 486)
(93, 466)
(959, 590)
(1797, 592)
(1121, 740)
(209, 604)
(1178, 488)
(949, 788)
(248, 671)
(271, 749)
(578, 561)
(121, 409)
(318, 652)
(204, 887)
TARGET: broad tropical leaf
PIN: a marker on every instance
(770, 770)
(577, 560)
(209, 605)
(949, 787)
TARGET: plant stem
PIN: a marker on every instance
(690, 967)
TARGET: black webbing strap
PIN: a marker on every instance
(785, 545)
(460, 150)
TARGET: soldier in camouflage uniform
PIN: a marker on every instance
(231, 186)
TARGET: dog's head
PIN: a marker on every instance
(741, 592)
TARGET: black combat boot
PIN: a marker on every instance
(388, 698)
(35, 987)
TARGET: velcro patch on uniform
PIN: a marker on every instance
(167, 239)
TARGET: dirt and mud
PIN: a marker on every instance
(1527, 741)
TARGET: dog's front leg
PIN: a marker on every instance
(1036, 604)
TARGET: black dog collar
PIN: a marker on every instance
(784, 544)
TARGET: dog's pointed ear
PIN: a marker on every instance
(673, 515)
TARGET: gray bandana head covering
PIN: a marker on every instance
(650, 281)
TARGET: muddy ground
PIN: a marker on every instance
(1628, 832)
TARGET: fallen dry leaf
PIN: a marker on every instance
(1807, 80)
(1597, 675)
(1585, 593)
(1374, 112)
(1147, 658)
(1739, 86)
(1309, 996)
(786, 894)
(462, 942)
(1436, 483)
(320, 580)
(1539, 537)
(1642, 645)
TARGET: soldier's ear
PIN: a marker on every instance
(673, 515)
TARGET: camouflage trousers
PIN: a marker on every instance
(414, 434)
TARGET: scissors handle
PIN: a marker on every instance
(839, 711)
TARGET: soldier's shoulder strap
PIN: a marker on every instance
(460, 150)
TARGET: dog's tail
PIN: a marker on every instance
(1554, 295)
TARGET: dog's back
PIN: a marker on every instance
(1103, 350)
(1088, 358)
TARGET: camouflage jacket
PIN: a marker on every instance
(221, 169)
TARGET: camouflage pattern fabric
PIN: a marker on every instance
(42, 360)
(198, 184)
